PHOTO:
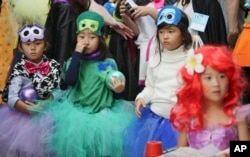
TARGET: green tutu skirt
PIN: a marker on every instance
(77, 133)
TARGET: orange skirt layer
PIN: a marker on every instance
(241, 52)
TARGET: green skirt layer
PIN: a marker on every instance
(81, 134)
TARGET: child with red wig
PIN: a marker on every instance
(208, 113)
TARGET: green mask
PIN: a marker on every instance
(90, 20)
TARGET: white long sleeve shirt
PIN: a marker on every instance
(163, 80)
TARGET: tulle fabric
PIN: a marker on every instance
(243, 113)
(149, 127)
(21, 134)
(78, 133)
(217, 137)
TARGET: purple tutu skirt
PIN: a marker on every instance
(149, 127)
(21, 134)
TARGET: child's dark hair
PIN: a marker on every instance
(103, 48)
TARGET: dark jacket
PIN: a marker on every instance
(61, 28)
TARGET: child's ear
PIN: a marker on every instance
(46, 46)
(19, 46)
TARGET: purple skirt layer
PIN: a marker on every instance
(22, 134)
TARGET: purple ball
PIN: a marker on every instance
(28, 94)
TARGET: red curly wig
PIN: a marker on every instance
(186, 113)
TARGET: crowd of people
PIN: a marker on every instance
(102, 78)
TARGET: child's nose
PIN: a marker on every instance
(86, 41)
(216, 82)
(165, 35)
(33, 45)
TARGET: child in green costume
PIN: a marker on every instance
(89, 121)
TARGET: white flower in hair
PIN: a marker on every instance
(194, 63)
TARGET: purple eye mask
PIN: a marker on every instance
(27, 33)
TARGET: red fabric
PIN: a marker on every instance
(43, 68)
(159, 3)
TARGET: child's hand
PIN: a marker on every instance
(29, 103)
(117, 85)
(122, 8)
(124, 12)
(139, 104)
(23, 105)
(139, 11)
(80, 46)
(32, 108)
(39, 107)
